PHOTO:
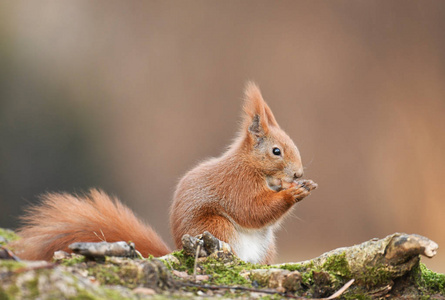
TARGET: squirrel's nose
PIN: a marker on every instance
(298, 175)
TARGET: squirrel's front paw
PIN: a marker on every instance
(301, 189)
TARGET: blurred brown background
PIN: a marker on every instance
(128, 96)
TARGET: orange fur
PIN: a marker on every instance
(231, 196)
(62, 219)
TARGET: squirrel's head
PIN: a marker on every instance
(272, 151)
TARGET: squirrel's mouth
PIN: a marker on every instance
(274, 183)
(277, 184)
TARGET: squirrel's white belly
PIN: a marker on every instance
(252, 245)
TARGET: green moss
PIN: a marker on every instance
(130, 274)
(13, 291)
(294, 267)
(4, 295)
(33, 287)
(186, 263)
(429, 281)
(338, 268)
(338, 271)
(10, 265)
(112, 294)
(337, 265)
(375, 276)
(220, 273)
(352, 296)
(8, 235)
(85, 295)
(73, 260)
(249, 266)
(125, 274)
(106, 274)
(225, 274)
(307, 278)
(91, 294)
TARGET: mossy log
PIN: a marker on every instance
(380, 267)
(385, 268)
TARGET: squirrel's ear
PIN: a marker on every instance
(257, 115)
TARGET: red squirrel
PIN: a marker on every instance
(240, 198)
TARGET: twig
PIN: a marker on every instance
(342, 290)
(138, 254)
(196, 260)
(103, 239)
(9, 254)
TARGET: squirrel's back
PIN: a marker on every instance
(62, 219)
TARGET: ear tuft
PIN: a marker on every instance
(257, 115)
(253, 101)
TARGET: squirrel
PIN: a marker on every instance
(240, 197)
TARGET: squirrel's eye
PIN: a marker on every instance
(276, 151)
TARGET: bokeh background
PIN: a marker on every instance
(129, 95)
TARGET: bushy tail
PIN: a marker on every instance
(62, 219)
